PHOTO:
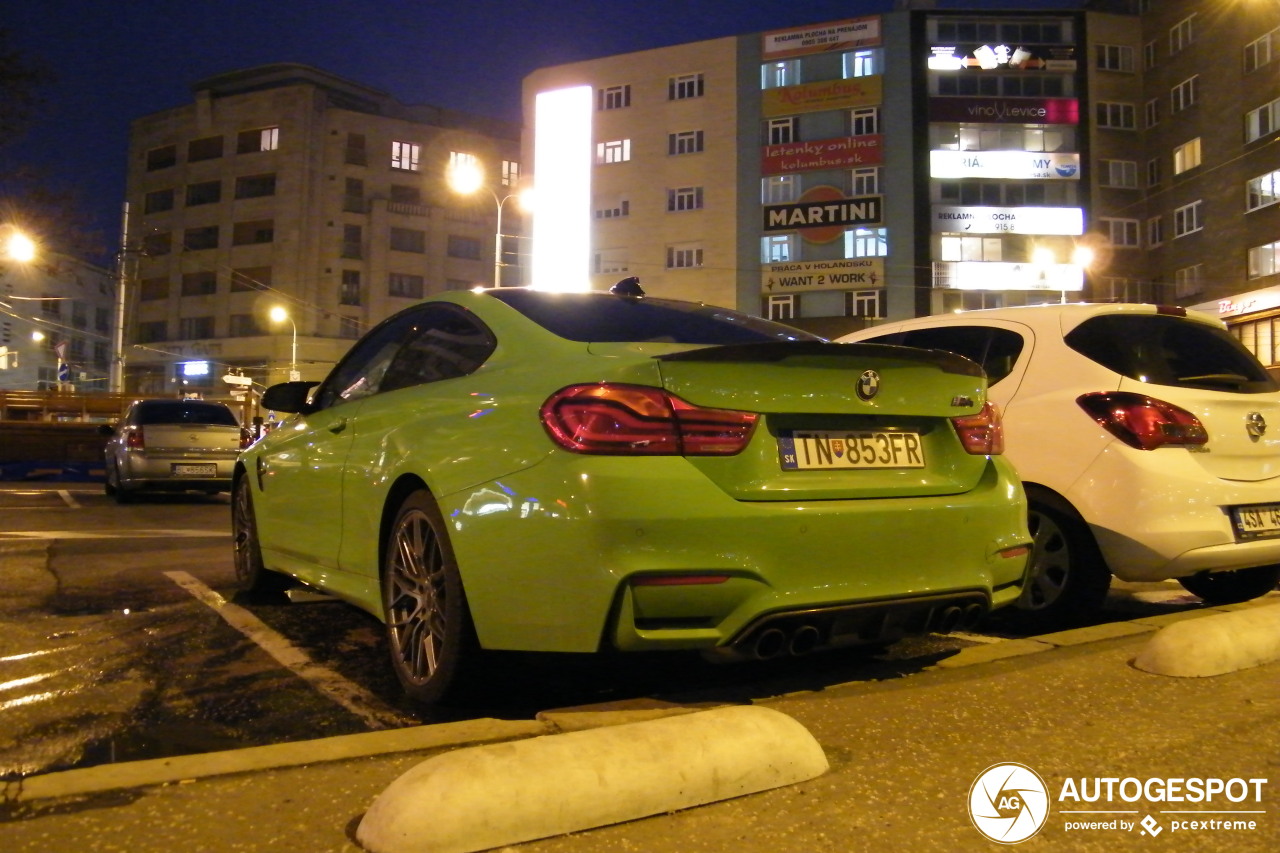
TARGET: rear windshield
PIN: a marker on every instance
(184, 412)
(1166, 350)
(603, 317)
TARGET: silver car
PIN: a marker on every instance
(173, 446)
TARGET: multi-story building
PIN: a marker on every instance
(930, 160)
(285, 187)
(57, 316)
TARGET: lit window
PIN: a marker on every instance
(1263, 191)
(613, 151)
(779, 189)
(774, 75)
(406, 156)
(861, 63)
(258, 139)
(1186, 156)
(1262, 121)
(866, 242)
(778, 249)
(1264, 260)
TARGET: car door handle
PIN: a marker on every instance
(337, 426)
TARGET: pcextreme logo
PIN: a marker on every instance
(1009, 803)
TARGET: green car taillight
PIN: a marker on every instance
(624, 420)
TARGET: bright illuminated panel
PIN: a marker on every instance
(1016, 165)
(977, 275)
(562, 162)
(1009, 220)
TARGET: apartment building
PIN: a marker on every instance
(288, 189)
(929, 160)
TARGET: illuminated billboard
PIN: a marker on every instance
(846, 152)
(1011, 165)
(819, 38)
(562, 163)
(1008, 220)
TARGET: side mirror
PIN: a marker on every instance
(289, 397)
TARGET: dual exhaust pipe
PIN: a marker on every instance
(804, 637)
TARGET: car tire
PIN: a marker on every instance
(1232, 587)
(1067, 580)
(109, 481)
(252, 575)
(428, 624)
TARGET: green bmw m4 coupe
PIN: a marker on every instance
(573, 472)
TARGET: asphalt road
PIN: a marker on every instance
(123, 637)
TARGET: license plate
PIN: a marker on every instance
(805, 450)
(194, 470)
(1259, 521)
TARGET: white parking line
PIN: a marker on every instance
(67, 499)
(351, 696)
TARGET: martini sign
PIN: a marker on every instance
(823, 214)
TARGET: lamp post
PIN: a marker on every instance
(279, 314)
(468, 178)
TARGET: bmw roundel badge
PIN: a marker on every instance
(868, 384)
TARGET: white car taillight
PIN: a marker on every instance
(982, 434)
(1144, 422)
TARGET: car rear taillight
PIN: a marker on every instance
(1144, 422)
(982, 434)
(133, 440)
(627, 420)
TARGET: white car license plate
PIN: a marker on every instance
(805, 450)
(1259, 521)
(194, 470)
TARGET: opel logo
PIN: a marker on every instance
(1255, 424)
(868, 384)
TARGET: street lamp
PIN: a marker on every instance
(466, 178)
(19, 247)
(279, 314)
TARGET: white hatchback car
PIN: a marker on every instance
(1148, 439)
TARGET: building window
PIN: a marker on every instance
(250, 278)
(162, 157)
(1262, 191)
(1186, 219)
(1264, 260)
(243, 326)
(864, 121)
(780, 306)
(861, 63)
(1188, 281)
(614, 208)
(775, 75)
(157, 243)
(779, 189)
(253, 231)
(190, 328)
(158, 201)
(613, 97)
(863, 303)
(1262, 121)
(207, 192)
(781, 131)
(510, 173)
(613, 151)
(398, 194)
(1153, 172)
(778, 249)
(153, 288)
(611, 262)
(1181, 35)
(460, 162)
(255, 186)
(684, 256)
(684, 198)
(356, 152)
(1119, 173)
(209, 148)
(464, 247)
(1149, 55)
(1183, 95)
(1155, 231)
(1123, 233)
(352, 242)
(972, 249)
(866, 242)
(685, 142)
(408, 240)
(1152, 112)
(865, 181)
(194, 239)
(405, 285)
(1259, 52)
(199, 283)
(406, 156)
(1186, 156)
(1115, 115)
(1113, 57)
(684, 87)
(349, 289)
(153, 331)
(259, 139)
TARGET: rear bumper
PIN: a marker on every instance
(570, 566)
(157, 473)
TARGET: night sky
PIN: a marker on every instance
(117, 60)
